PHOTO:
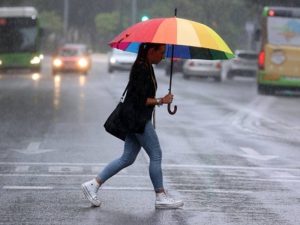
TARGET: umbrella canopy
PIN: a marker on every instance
(183, 38)
(191, 40)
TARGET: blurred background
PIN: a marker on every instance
(231, 152)
(95, 22)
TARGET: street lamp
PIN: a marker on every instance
(144, 18)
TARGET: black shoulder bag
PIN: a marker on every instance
(114, 124)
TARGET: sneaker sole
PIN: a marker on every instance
(174, 206)
(88, 196)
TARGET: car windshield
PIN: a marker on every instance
(69, 52)
(250, 56)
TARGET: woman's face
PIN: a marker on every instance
(156, 55)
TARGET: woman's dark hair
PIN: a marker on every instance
(144, 48)
(142, 55)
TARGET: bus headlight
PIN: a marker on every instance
(0, 62)
(35, 60)
(57, 63)
(83, 63)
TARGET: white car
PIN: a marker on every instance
(202, 68)
(244, 64)
(120, 60)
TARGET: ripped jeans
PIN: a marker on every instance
(133, 143)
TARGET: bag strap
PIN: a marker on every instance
(124, 92)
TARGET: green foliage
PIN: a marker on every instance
(51, 21)
(107, 23)
(94, 20)
(227, 18)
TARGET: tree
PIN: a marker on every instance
(52, 26)
(107, 25)
(51, 21)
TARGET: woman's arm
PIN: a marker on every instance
(160, 101)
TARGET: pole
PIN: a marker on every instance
(133, 11)
(171, 74)
(66, 18)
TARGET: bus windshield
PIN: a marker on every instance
(18, 35)
(283, 31)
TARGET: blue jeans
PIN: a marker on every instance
(133, 143)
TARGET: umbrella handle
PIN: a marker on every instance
(170, 111)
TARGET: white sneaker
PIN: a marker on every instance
(90, 189)
(165, 202)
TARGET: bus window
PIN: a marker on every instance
(18, 35)
(283, 31)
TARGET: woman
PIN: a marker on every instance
(140, 101)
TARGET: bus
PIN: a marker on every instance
(279, 56)
(20, 37)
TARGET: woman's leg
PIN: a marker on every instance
(131, 150)
(150, 143)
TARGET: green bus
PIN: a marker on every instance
(279, 57)
(20, 37)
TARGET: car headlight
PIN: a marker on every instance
(35, 76)
(57, 62)
(112, 60)
(83, 63)
(0, 62)
(35, 60)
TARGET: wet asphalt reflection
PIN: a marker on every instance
(230, 154)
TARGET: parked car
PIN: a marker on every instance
(120, 60)
(202, 68)
(244, 64)
(72, 58)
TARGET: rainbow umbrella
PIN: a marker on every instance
(183, 38)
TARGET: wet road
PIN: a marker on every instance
(230, 154)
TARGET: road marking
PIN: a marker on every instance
(216, 191)
(27, 187)
(166, 166)
(179, 190)
(222, 167)
(113, 188)
(251, 153)
(271, 179)
(52, 163)
(33, 148)
(127, 188)
(65, 169)
(97, 169)
(22, 169)
(280, 174)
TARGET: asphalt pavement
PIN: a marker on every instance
(230, 154)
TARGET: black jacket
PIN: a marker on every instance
(142, 85)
